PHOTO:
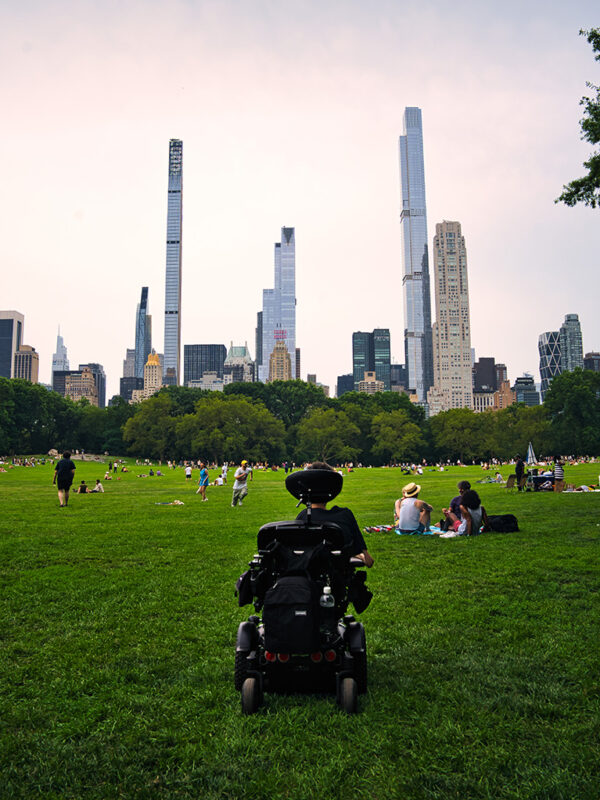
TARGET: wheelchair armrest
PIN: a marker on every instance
(357, 562)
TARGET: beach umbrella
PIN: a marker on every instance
(531, 459)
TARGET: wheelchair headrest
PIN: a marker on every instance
(314, 485)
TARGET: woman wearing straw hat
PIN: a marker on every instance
(411, 514)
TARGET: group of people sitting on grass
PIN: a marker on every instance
(464, 516)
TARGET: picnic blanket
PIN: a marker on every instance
(433, 531)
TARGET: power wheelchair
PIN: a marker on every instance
(302, 580)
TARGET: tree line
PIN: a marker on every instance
(295, 421)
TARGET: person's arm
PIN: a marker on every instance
(54, 478)
(366, 557)
(251, 475)
(397, 505)
(484, 520)
(466, 515)
(421, 504)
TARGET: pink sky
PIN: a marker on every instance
(290, 115)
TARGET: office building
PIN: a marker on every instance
(415, 257)
(81, 385)
(11, 339)
(370, 384)
(27, 364)
(525, 391)
(143, 334)
(398, 378)
(201, 358)
(550, 358)
(504, 396)
(60, 360)
(258, 338)
(371, 353)
(279, 307)
(482, 401)
(345, 383)
(485, 375)
(592, 361)
(571, 345)
(280, 363)
(129, 364)
(210, 382)
(153, 379)
(128, 384)
(298, 362)
(97, 371)
(238, 366)
(172, 354)
(451, 334)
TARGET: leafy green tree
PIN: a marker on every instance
(117, 414)
(289, 401)
(327, 435)
(151, 430)
(456, 434)
(230, 428)
(586, 190)
(396, 437)
(573, 406)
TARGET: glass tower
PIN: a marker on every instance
(571, 345)
(143, 334)
(279, 305)
(172, 356)
(60, 360)
(371, 353)
(415, 259)
(550, 361)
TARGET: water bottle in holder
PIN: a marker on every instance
(327, 606)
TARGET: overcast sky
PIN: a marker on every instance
(290, 114)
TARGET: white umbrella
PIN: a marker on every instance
(531, 459)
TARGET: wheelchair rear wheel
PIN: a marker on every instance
(348, 695)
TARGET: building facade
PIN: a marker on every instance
(592, 361)
(571, 344)
(129, 384)
(345, 383)
(11, 339)
(280, 363)
(27, 364)
(153, 380)
(238, 365)
(80, 385)
(129, 364)
(60, 359)
(550, 358)
(172, 354)
(201, 358)
(370, 383)
(415, 257)
(452, 371)
(371, 353)
(279, 307)
(143, 334)
(525, 391)
(97, 371)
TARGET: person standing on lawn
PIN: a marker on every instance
(240, 487)
(519, 471)
(64, 472)
(203, 482)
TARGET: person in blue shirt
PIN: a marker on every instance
(203, 482)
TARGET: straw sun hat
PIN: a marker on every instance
(411, 489)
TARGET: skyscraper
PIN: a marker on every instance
(172, 355)
(60, 361)
(550, 358)
(11, 339)
(201, 358)
(371, 353)
(279, 306)
(27, 363)
(143, 334)
(415, 258)
(97, 371)
(453, 375)
(571, 345)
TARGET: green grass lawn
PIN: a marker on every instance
(118, 625)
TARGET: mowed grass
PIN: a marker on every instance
(118, 625)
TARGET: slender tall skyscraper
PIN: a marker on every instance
(172, 354)
(415, 259)
(143, 334)
(60, 361)
(279, 305)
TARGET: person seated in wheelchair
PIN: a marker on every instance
(340, 516)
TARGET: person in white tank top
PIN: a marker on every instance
(412, 515)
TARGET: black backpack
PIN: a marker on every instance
(503, 523)
(291, 615)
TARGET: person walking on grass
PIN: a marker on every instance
(64, 472)
(203, 482)
(240, 487)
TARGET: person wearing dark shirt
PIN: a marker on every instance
(82, 488)
(453, 513)
(519, 472)
(342, 517)
(63, 478)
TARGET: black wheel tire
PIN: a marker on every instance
(349, 696)
(241, 667)
(360, 670)
(250, 696)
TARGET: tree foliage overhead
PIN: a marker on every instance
(586, 190)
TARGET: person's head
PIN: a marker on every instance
(244, 463)
(463, 486)
(470, 499)
(411, 490)
(66, 454)
(83, 483)
(320, 465)
(97, 480)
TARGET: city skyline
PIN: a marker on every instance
(303, 131)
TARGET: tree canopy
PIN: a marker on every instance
(586, 190)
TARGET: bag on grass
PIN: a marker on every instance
(503, 523)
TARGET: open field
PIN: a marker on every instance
(118, 626)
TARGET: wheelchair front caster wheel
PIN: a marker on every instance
(250, 696)
(348, 695)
